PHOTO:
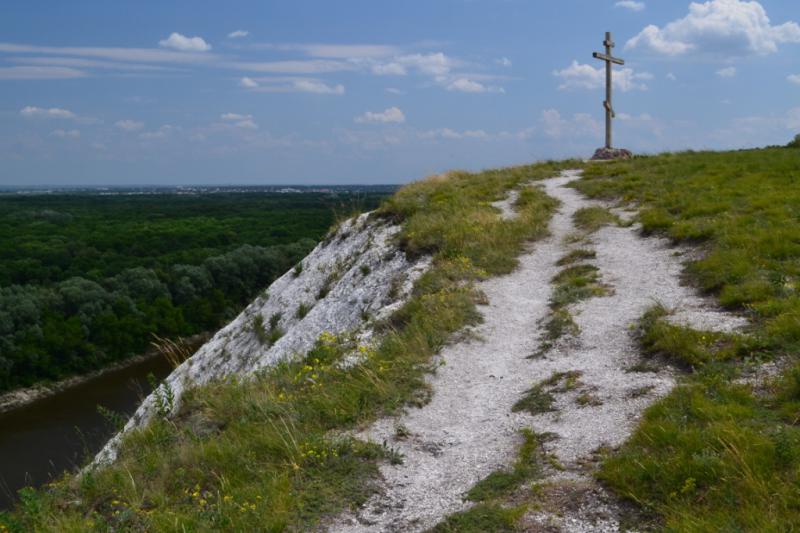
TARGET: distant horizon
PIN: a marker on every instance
(196, 185)
(378, 92)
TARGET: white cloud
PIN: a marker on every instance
(238, 34)
(81, 62)
(316, 86)
(466, 85)
(228, 117)
(643, 117)
(389, 69)
(584, 76)
(339, 51)
(434, 64)
(291, 84)
(53, 112)
(176, 41)
(727, 72)
(237, 120)
(393, 90)
(33, 72)
(794, 78)
(129, 125)
(726, 28)
(630, 4)
(581, 124)
(391, 114)
(450, 134)
(66, 134)
(311, 66)
(671, 76)
(160, 133)
(248, 83)
(503, 62)
(152, 55)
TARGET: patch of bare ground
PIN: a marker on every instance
(470, 428)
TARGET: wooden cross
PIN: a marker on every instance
(609, 59)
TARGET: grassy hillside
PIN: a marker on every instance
(717, 455)
(270, 454)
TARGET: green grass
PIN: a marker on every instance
(686, 346)
(502, 482)
(495, 508)
(577, 256)
(576, 283)
(269, 454)
(482, 518)
(715, 455)
(591, 219)
(539, 398)
(571, 285)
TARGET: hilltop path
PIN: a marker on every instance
(468, 429)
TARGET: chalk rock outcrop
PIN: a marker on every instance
(356, 275)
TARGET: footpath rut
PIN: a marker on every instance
(468, 429)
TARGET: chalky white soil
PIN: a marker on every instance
(468, 429)
(358, 274)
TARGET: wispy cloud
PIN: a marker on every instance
(311, 66)
(794, 78)
(555, 126)
(389, 115)
(40, 112)
(630, 4)
(129, 125)
(584, 76)
(335, 51)
(82, 63)
(290, 84)
(727, 72)
(135, 55)
(466, 85)
(451, 134)
(248, 83)
(238, 34)
(66, 134)
(34, 72)
(238, 120)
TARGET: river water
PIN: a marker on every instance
(40, 441)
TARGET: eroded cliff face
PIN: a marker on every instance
(357, 276)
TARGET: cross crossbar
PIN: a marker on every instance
(598, 55)
(610, 60)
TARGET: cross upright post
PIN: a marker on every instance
(609, 59)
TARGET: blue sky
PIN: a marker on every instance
(180, 92)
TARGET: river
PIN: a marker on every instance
(40, 441)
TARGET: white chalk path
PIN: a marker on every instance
(468, 429)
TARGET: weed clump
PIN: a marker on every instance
(539, 398)
(591, 219)
(577, 256)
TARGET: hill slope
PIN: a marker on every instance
(553, 344)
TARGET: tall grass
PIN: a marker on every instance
(717, 455)
(273, 453)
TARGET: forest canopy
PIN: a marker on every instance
(86, 280)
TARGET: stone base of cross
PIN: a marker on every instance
(607, 154)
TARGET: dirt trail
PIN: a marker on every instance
(468, 429)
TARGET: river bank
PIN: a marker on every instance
(48, 430)
(19, 398)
